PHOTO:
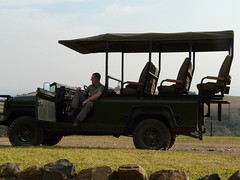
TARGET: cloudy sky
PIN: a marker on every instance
(30, 29)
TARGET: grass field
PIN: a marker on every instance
(195, 164)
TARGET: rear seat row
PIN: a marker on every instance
(182, 84)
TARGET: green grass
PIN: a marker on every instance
(195, 164)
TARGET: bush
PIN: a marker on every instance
(3, 131)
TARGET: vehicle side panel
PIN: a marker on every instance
(116, 112)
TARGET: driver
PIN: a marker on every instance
(86, 98)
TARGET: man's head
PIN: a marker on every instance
(95, 78)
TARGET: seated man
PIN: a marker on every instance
(86, 98)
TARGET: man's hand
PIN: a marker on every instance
(84, 102)
(92, 98)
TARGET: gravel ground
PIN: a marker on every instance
(126, 143)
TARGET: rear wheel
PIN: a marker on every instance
(151, 134)
(51, 139)
(25, 131)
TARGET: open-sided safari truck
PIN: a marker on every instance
(153, 113)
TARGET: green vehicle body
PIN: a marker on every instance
(118, 114)
(14, 107)
(180, 111)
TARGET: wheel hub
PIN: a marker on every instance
(25, 133)
(151, 137)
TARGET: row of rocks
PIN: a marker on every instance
(65, 170)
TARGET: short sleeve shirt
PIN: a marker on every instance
(92, 89)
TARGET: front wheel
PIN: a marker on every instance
(151, 134)
(24, 131)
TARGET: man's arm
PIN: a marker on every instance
(93, 98)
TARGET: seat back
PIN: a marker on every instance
(189, 77)
(153, 81)
(182, 83)
(144, 72)
(149, 78)
(185, 75)
(209, 89)
(147, 81)
(224, 71)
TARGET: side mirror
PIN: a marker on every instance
(46, 86)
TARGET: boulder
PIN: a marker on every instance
(132, 171)
(210, 177)
(235, 176)
(169, 175)
(10, 169)
(98, 173)
(8, 178)
(60, 170)
(31, 173)
(85, 174)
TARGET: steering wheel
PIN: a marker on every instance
(85, 87)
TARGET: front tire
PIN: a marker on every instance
(25, 131)
(151, 134)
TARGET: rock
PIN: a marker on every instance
(85, 174)
(8, 178)
(235, 176)
(132, 171)
(169, 175)
(59, 170)
(98, 173)
(103, 173)
(31, 173)
(210, 177)
(10, 169)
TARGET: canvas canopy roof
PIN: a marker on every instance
(160, 42)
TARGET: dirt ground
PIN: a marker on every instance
(205, 146)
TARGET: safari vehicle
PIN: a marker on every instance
(153, 113)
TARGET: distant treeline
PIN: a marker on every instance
(229, 125)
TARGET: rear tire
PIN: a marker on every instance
(25, 131)
(151, 134)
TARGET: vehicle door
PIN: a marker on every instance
(45, 105)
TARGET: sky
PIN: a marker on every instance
(30, 29)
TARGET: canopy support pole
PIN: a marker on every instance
(106, 67)
(122, 78)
